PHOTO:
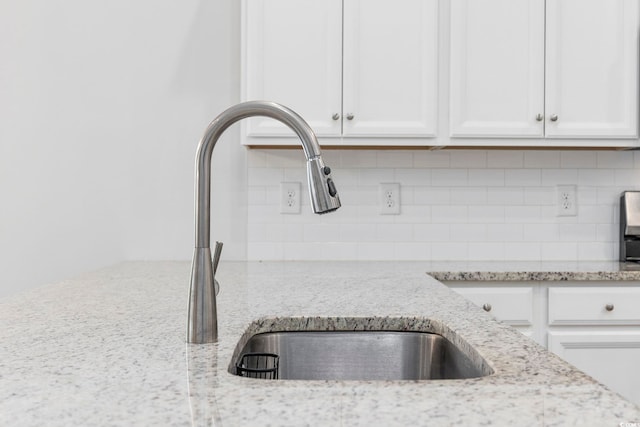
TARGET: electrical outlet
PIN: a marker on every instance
(389, 198)
(567, 200)
(290, 197)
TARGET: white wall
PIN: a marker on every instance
(456, 205)
(101, 108)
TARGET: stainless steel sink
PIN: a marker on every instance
(355, 355)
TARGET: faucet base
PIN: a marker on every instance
(202, 322)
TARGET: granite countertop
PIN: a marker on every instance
(549, 271)
(107, 348)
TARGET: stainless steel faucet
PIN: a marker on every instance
(202, 324)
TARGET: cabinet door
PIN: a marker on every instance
(390, 67)
(497, 68)
(293, 55)
(592, 68)
(609, 357)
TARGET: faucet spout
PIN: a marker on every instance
(202, 325)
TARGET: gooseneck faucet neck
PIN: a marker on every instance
(202, 324)
(212, 134)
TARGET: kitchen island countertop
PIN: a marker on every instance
(107, 348)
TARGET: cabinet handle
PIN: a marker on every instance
(486, 307)
(349, 116)
(554, 117)
(336, 116)
(609, 307)
(539, 117)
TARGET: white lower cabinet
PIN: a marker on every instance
(595, 326)
(512, 305)
(609, 356)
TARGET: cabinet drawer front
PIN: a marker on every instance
(511, 305)
(594, 306)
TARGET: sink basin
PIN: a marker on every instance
(354, 355)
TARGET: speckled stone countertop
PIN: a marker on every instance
(549, 271)
(107, 348)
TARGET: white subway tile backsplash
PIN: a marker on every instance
(559, 251)
(523, 251)
(431, 159)
(600, 214)
(522, 214)
(449, 177)
(357, 232)
(285, 158)
(412, 251)
(607, 232)
(593, 177)
(413, 177)
(595, 251)
(505, 233)
(284, 232)
(624, 176)
(469, 196)
(394, 232)
(395, 159)
(577, 232)
(539, 196)
(522, 177)
(468, 159)
(265, 176)
(413, 214)
(486, 251)
(449, 214)
(541, 232)
(486, 177)
(469, 233)
(432, 232)
(359, 159)
(369, 176)
(505, 159)
(578, 159)
(505, 196)
(552, 177)
(455, 205)
(541, 159)
(431, 196)
(486, 214)
(615, 159)
(449, 251)
(375, 252)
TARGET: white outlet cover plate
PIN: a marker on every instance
(567, 200)
(290, 197)
(389, 199)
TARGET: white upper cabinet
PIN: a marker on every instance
(499, 86)
(390, 68)
(497, 68)
(293, 56)
(592, 68)
(356, 68)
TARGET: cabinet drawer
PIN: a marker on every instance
(511, 305)
(594, 306)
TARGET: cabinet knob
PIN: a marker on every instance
(336, 116)
(539, 117)
(349, 116)
(486, 307)
(609, 307)
(554, 117)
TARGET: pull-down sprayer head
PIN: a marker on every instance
(324, 196)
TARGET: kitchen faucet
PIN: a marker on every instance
(202, 323)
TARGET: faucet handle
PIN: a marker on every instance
(216, 256)
(217, 251)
